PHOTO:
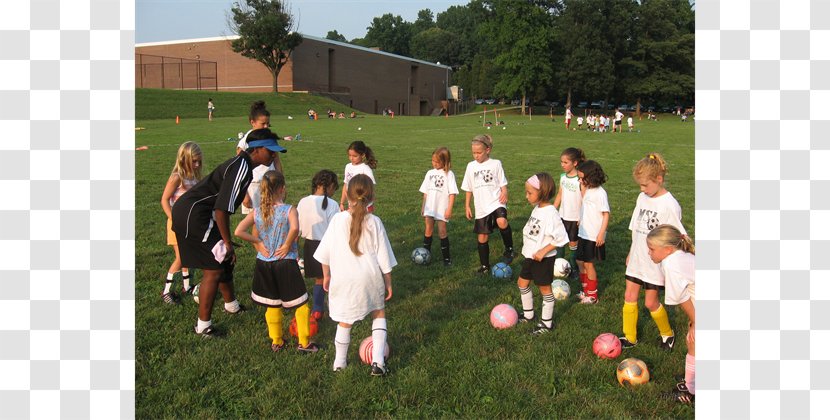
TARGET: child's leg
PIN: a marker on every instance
(690, 360)
(658, 313)
(319, 297)
(273, 318)
(630, 311)
(547, 305)
(171, 272)
(506, 237)
(526, 295)
(225, 282)
(591, 277)
(301, 314)
(341, 344)
(207, 292)
(445, 241)
(572, 257)
(483, 250)
(583, 277)
(378, 337)
(429, 223)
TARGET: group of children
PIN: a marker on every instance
(601, 123)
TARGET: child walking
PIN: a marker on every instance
(485, 182)
(542, 234)
(315, 212)
(187, 172)
(593, 224)
(439, 189)
(361, 161)
(357, 261)
(277, 280)
(675, 253)
(655, 206)
(569, 200)
(210, 109)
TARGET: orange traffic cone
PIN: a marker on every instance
(177, 119)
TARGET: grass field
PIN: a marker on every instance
(447, 361)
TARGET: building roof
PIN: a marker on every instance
(328, 41)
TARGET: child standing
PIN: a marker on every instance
(569, 200)
(316, 212)
(357, 261)
(485, 182)
(568, 116)
(259, 117)
(655, 206)
(277, 280)
(543, 233)
(675, 253)
(361, 161)
(579, 122)
(186, 173)
(593, 224)
(439, 189)
(210, 109)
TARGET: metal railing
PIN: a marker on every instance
(160, 72)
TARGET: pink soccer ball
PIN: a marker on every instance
(503, 316)
(607, 346)
(366, 348)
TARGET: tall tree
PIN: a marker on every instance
(266, 33)
(585, 68)
(336, 36)
(464, 22)
(389, 33)
(424, 21)
(434, 45)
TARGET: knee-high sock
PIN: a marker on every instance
(445, 248)
(341, 345)
(572, 258)
(507, 238)
(527, 301)
(547, 310)
(319, 298)
(583, 279)
(630, 314)
(484, 253)
(168, 283)
(301, 314)
(690, 373)
(185, 279)
(273, 318)
(428, 243)
(378, 340)
(661, 318)
(591, 287)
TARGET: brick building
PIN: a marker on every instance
(365, 79)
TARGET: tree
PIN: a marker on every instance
(266, 33)
(336, 36)
(423, 22)
(434, 45)
(389, 33)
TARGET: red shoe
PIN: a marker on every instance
(317, 315)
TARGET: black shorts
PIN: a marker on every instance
(645, 285)
(313, 268)
(541, 272)
(572, 227)
(487, 224)
(198, 254)
(588, 251)
(278, 284)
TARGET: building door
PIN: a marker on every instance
(331, 70)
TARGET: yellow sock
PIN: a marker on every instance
(273, 317)
(302, 323)
(661, 318)
(630, 314)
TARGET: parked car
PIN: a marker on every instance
(479, 101)
(597, 104)
(490, 101)
(582, 104)
(625, 107)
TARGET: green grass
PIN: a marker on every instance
(447, 361)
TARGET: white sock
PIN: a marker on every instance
(168, 283)
(185, 279)
(232, 307)
(378, 340)
(201, 325)
(341, 345)
(527, 301)
(547, 310)
(690, 373)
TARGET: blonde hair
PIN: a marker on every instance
(443, 155)
(651, 166)
(484, 139)
(269, 187)
(184, 168)
(668, 235)
(360, 192)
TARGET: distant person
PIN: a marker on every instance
(630, 123)
(352, 115)
(259, 117)
(579, 122)
(210, 109)
(618, 116)
(341, 115)
(568, 116)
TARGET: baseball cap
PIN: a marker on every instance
(264, 137)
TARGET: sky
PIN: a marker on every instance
(168, 20)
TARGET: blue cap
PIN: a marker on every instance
(270, 144)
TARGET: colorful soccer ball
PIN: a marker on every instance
(502, 271)
(607, 346)
(632, 371)
(365, 350)
(195, 293)
(561, 289)
(312, 327)
(561, 268)
(503, 316)
(421, 256)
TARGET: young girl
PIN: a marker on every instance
(655, 206)
(259, 117)
(675, 254)
(357, 261)
(316, 212)
(569, 199)
(186, 173)
(484, 180)
(439, 190)
(361, 161)
(543, 232)
(210, 109)
(277, 280)
(593, 224)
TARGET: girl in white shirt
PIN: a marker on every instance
(315, 212)
(593, 224)
(361, 161)
(439, 191)
(569, 201)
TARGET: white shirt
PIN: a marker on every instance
(679, 271)
(484, 180)
(630, 122)
(579, 120)
(360, 168)
(571, 200)
(568, 114)
(258, 172)
(543, 227)
(313, 219)
(618, 116)
(594, 203)
(648, 214)
(438, 186)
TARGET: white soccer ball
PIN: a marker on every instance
(359, 128)
(561, 268)
(560, 289)
(421, 256)
(196, 293)
(290, 117)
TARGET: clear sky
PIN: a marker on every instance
(167, 20)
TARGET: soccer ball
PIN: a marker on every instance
(561, 268)
(301, 264)
(561, 289)
(632, 371)
(366, 347)
(312, 327)
(607, 346)
(502, 271)
(421, 256)
(359, 128)
(195, 293)
(503, 316)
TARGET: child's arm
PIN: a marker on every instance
(542, 252)
(450, 203)
(467, 205)
(169, 188)
(503, 194)
(242, 233)
(601, 235)
(326, 277)
(343, 197)
(387, 280)
(247, 201)
(558, 198)
(293, 230)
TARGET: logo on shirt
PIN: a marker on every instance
(486, 175)
(649, 218)
(437, 180)
(535, 226)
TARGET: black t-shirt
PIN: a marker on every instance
(224, 189)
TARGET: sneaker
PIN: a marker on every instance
(667, 344)
(378, 370)
(277, 347)
(522, 318)
(188, 291)
(339, 368)
(541, 328)
(588, 300)
(239, 311)
(482, 270)
(209, 332)
(580, 295)
(508, 256)
(447, 262)
(682, 387)
(625, 343)
(310, 348)
(684, 397)
(680, 378)
(169, 298)
(317, 315)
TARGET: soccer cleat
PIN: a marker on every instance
(188, 291)
(589, 300)
(239, 311)
(169, 299)
(378, 370)
(482, 270)
(684, 397)
(317, 315)
(447, 262)
(208, 332)
(580, 295)
(541, 328)
(524, 320)
(624, 343)
(508, 256)
(310, 348)
(667, 344)
(277, 347)
(680, 378)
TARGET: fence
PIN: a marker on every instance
(154, 71)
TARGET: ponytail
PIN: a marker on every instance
(324, 178)
(360, 193)
(668, 235)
